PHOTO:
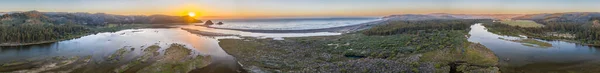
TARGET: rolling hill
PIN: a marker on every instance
(446, 16)
(560, 17)
(35, 17)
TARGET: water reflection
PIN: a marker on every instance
(516, 54)
(259, 35)
(101, 45)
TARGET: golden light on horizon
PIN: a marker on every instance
(191, 14)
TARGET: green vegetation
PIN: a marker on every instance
(522, 23)
(44, 33)
(34, 27)
(177, 58)
(576, 31)
(119, 54)
(415, 27)
(397, 46)
(471, 58)
(531, 42)
(37, 33)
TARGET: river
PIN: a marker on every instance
(514, 56)
(101, 45)
(517, 57)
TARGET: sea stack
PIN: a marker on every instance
(209, 22)
(220, 23)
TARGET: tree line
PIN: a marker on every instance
(36, 33)
(398, 27)
(583, 31)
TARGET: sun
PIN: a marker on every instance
(191, 14)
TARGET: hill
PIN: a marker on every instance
(560, 17)
(32, 17)
(447, 16)
(412, 17)
(96, 19)
(33, 27)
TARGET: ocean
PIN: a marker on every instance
(291, 23)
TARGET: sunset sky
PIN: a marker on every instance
(294, 8)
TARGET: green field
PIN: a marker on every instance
(522, 23)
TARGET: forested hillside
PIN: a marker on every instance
(33, 27)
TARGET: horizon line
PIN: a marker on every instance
(292, 16)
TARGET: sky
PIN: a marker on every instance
(299, 8)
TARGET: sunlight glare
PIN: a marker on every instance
(191, 14)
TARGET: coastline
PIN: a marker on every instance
(204, 33)
(341, 29)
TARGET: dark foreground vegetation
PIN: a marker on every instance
(431, 46)
(34, 27)
(580, 32)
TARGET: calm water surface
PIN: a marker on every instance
(516, 54)
(292, 23)
(101, 45)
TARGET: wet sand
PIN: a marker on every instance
(204, 33)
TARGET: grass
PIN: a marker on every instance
(176, 60)
(531, 42)
(437, 47)
(535, 42)
(119, 54)
(522, 23)
(471, 53)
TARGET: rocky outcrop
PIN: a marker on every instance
(220, 23)
(209, 22)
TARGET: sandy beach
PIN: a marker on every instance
(342, 29)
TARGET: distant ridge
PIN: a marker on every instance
(88, 18)
(445, 16)
(561, 17)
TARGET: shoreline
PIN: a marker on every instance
(95, 31)
(41, 42)
(204, 33)
(24, 44)
(340, 29)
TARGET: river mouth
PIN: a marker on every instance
(517, 56)
(111, 51)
